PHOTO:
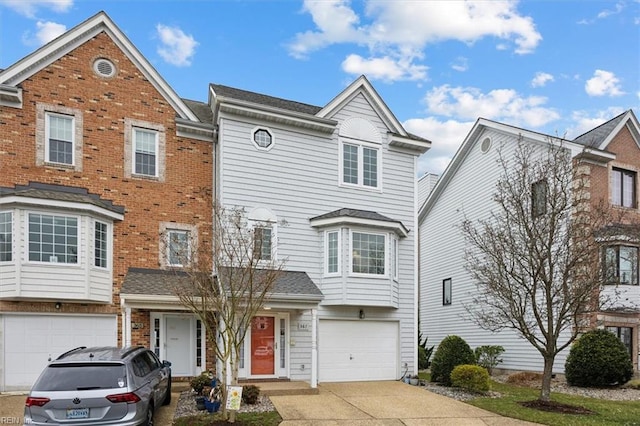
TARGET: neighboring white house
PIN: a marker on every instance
(333, 190)
(465, 190)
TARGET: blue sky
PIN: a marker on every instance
(556, 66)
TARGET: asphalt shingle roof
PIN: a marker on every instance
(594, 138)
(258, 98)
(355, 213)
(60, 193)
(201, 110)
(165, 282)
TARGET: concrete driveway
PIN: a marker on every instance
(381, 403)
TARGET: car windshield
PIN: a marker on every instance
(64, 377)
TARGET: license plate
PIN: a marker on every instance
(77, 413)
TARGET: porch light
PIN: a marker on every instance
(361, 314)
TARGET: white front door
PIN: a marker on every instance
(179, 344)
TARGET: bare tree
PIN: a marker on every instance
(535, 259)
(230, 277)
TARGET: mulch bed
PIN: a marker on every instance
(555, 407)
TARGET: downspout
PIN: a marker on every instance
(314, 348)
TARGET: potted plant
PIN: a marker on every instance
(198, 384)
(212, 400)
(414, 380)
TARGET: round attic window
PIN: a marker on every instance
(104, 68)
(486, 145)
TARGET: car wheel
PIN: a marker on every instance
(149, 421)
(167, 396)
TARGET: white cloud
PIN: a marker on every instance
(603, 83)
(499, 104)
(384, 68)
(446, 137)
(45, 32)
(29, 8)
(401, 29)
(541, 79)
(605, 13)
(585, 121)
(461, 64)
(177, 48)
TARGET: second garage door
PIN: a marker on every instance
(357, 350)
(30, 340)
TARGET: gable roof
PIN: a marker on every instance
(478, 128)
(12, 76)
(600, 136)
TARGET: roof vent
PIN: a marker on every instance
(104, 68)
(485, 146)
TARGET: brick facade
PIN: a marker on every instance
(182, 194)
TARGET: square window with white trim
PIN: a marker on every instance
(360, 164)
(53, 238)
(368, 253)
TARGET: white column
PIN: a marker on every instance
(126, 329)
(314, 348)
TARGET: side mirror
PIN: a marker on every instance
(166, 363)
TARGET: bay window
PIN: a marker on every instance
(53, 238)
(368, 253)
(621, 265)
(6, 236)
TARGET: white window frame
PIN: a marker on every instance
(338, 271)
(360, 180)
(385, 251)
(395, 245)
(79, 238)
(134, 150)
(107, 242)
(10, 233)
(168, 237)
(47, 138)
(265, 129)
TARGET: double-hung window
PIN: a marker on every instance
(623, 188)
(100, 244)
(368, 253)
(360, 164)
(332, 250)
(625, 334)
(621, 265)
(6, 236)
(262, 242)
(178, 250)
(145, 150)
(59, 143)
(53, 238)
(539, 198)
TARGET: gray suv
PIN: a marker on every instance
(100, 386)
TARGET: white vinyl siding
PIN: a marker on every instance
(467, 195)
(311, 185)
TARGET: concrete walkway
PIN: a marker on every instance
(381, 403)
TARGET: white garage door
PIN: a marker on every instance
(357, 350)
(30, 340)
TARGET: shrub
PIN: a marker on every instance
(473, 378)
(452, 351)
(598, 358)
(488, 357)
(199, 382)
(424, 351)
(250, 394)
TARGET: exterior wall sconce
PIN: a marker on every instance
(361, 314)
(58, 305)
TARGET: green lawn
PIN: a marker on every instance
(606, 412)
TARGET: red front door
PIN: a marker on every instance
(262, 346)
